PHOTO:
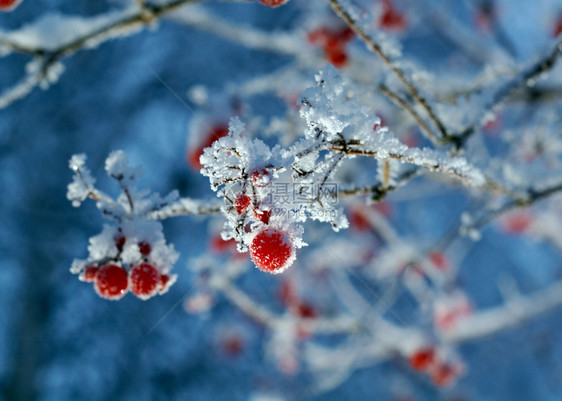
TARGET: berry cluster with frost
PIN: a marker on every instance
(245, 171)
(131, 253)
(248, 174)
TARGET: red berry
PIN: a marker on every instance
(305, 311)
(422, 359)
(338, 58)
(273, 3)
(90, 273)
(359, 221)
(391, 18)
(111, 282)
(232, 345)
(272, 251)
(260, 178)
(210, 137)
(440, 260)
(241, 203)
(333, 42)
(166, 281)
(444, 374)
(262, 215)
(144, 248)
(120, 242)
(164, 278)
(8, 5)
(144, 280)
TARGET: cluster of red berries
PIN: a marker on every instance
(271, 248)
(442, 373)
(333, 42)
(9, 5)
(209, 137)
(260, 178)
(112, 281)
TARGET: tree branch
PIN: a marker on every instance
(378, 49)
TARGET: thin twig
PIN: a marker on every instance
(404, 104)
(377, 48)
(525, 77)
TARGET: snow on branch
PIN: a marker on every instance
(494, 97)
(513, 312)
(54, 37)
(378, 43)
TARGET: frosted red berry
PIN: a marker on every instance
(273, 3)
(144, 248)
(144, 280)
(90, 273)
(8, 5)
(166, 281)
(422, 359)
(241, 203)
(111, 282)
(271, 250)
(164, 284)
(262, 215)
(120, 242)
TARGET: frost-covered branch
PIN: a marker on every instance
(46, 67)
(401, 102)
(526, 76)
(345, 10)
(513, 312)
(525, 199)
(456, 168)
(278, 42)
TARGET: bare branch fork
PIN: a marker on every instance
(378, 49)
(526, 77)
